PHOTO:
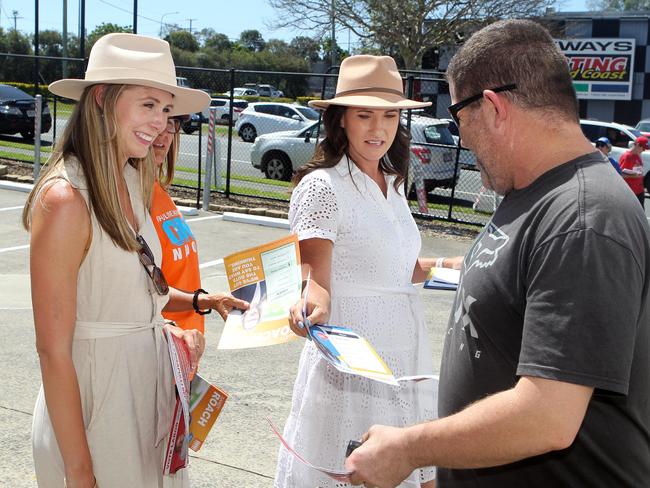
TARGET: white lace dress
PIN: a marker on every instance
(376, 245)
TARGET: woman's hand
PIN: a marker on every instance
(195, 343)
(318, 310)
(454, 263)
(223, 303)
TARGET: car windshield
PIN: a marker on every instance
(310, 113)
(643, 126)
(438, 134)
(11, 92)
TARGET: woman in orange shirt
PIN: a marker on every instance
(188, 302)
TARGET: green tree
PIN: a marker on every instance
(182, 39)
(218, 41)
(306, 48)
(252, 40)
(326, 46)
(411, 26)
(620, 5)
(103, 29)
(277, 47)
(15, 68)
(204, 34)
(50, 43)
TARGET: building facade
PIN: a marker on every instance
(594, 26)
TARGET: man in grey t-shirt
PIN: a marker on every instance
(545, 376)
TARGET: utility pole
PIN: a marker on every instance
(135, 16)
(36, 49)
(64, 65)
(82, 31)
(14, 14)
(333, 46)
(191, 24)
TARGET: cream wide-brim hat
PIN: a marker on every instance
(369, 82)
(131, 59)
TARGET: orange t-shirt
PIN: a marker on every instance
(180, 258)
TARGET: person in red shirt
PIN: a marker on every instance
(188, 302)
(632, 167)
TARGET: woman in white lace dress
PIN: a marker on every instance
(357, 233)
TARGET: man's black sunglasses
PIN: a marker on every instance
(156, 274)
(457, 107)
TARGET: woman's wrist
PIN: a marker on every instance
(201, 302)
(82, 477)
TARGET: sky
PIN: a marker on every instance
(225, 16)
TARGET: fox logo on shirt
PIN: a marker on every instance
(486, 250)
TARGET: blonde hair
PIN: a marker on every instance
(166, 169)
(91, 137)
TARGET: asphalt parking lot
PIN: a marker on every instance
(241, 450)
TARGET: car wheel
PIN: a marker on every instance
(278, 167)
(27, 134)
(248, 133)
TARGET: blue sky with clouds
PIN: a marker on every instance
(225, 16)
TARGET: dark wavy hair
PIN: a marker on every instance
(331, 149)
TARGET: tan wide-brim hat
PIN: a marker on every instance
(131, 59)
(369, 81)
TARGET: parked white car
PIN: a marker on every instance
(222, 106)
(621, 136)
(243, 92)
(265, 117)
(432, 154)
(279, 154)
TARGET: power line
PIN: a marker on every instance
(129, 11)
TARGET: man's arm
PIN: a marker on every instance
(534, 417)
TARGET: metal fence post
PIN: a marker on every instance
(37, 136)
(54, 122)
(410, 81)
(453, 188)
(216, 154)
(230, 128)
(207, 182)
(198, 177)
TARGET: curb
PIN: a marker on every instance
(256, 220)
(16, 186)
(186, 206)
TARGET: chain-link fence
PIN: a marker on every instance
(265, 130)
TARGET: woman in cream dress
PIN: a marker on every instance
(104, 410)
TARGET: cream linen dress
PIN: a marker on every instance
(122, 364)
(376, 245)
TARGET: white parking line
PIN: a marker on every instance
(6, 209)
(15, 248)
(210, 217)
(216, 262)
